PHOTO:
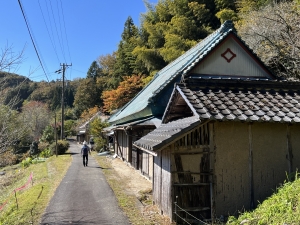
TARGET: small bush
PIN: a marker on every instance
(62, 147)
(100, 144)
(26, 162)
(8, 159)
(43, 146)
(46, 153)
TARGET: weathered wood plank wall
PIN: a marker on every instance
(157, 198)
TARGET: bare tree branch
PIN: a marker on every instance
(273, 33)
(11, 130)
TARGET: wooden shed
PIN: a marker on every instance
(236, 146)
(229, 134)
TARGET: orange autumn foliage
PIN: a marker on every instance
(127, 89)
(87, 114)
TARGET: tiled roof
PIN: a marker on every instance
(228, 100)
(141, 105)
(162, 135)
(261, 101)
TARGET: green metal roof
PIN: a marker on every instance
(145, 103)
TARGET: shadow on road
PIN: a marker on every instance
(99, 167)
(71, 153)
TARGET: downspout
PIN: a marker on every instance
(251, 167)
(212, 170)
(289, 148)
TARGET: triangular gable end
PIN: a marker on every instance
(231, 58)
(178, 107)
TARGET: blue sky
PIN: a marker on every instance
(64, 31)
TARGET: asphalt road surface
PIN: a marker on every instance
(83, 196)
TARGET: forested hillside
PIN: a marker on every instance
(166, 31)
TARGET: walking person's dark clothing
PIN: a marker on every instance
(85, 151)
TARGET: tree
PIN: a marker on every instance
(273, 33)
(97, 126)
(11, 131)
(106, 63)
(87, 95)
(171, 28)
(48, 134)
(227, 14)
(70, 128)
(127, 89)
(94, 71)
(56, 98)
(109, 80)
(36, 116)
(89, 113)
(245, 6)
(11, 128)
(125, 60)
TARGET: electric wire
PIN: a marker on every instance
(54, 48)
(63, 17)
(31, 37)
(62, 39)
(57, 30)
(65, 30)
(50, 24)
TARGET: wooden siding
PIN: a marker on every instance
(143, 160)
(121, 144)
(191, 171)
(269, 159)
(157, 198)
(252, 160)
(134, 161)
(182, 173)
(167, 202)
(147, 165)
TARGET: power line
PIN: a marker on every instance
(65, 30)
(62, 39)
(48, 31)
(59, 41)
(35, 48)
(50, 24)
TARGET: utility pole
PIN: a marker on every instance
(55, 132)
(64, 67)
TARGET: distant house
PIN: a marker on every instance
(229, 133)
(83, 130)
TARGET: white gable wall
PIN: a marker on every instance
(241, 65)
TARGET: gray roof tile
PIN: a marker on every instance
(166, 132)
(268, 101)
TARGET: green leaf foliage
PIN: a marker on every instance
(94, 71)
(87, 95)
(283, 207)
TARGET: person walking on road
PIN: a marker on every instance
(85, 151)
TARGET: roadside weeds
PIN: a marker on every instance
(28, 205)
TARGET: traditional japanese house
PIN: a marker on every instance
(83, 133)
(229, 134)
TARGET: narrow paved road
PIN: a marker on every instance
(83, 196)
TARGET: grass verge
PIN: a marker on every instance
(283, 207)
(28, 204)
